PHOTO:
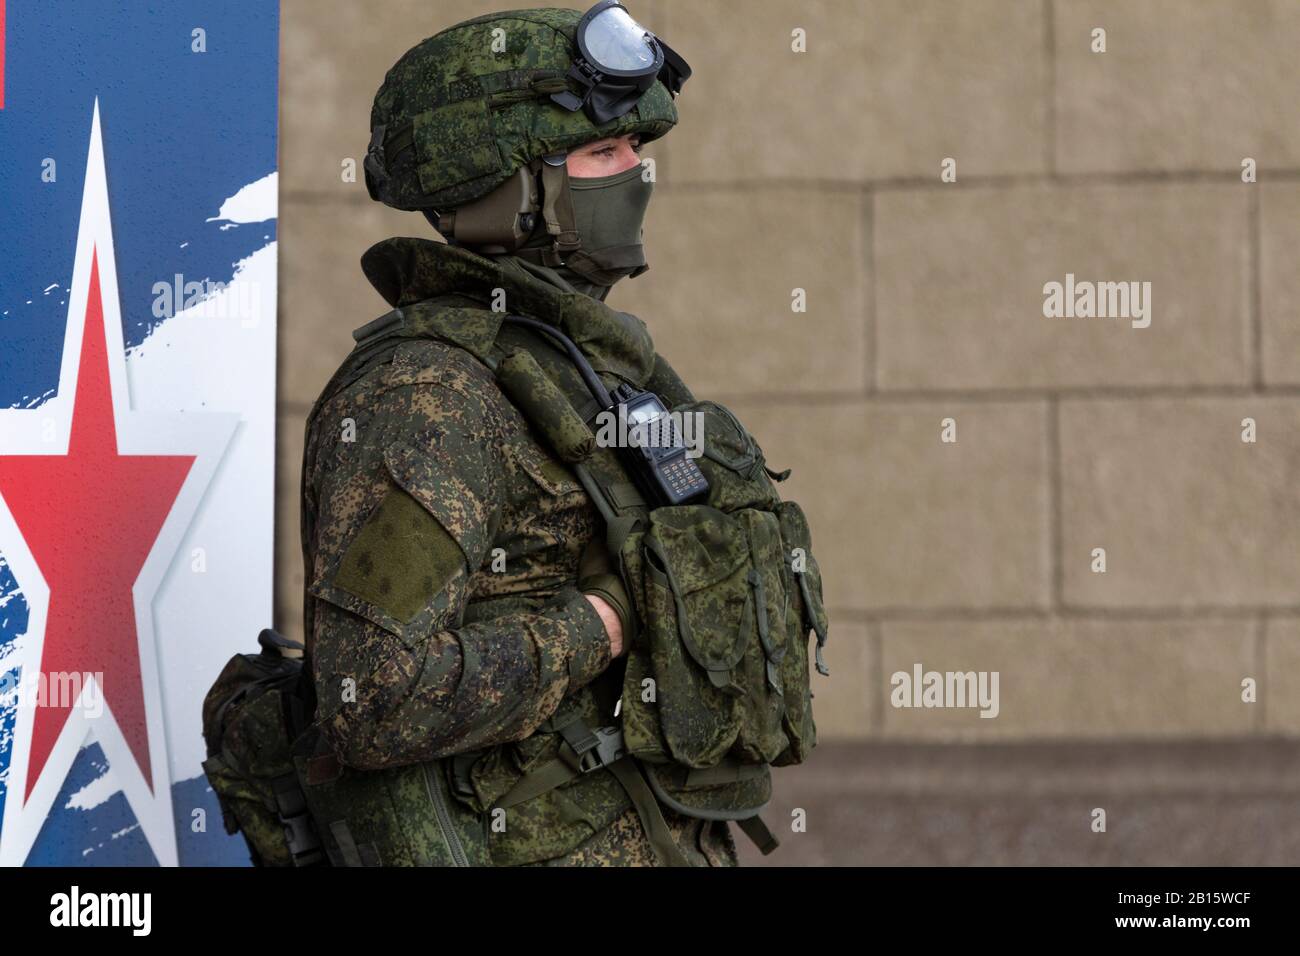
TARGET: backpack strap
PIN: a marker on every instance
(291, 807)
(628, 773)
(585, 750)
(373, 342)
(759, 832)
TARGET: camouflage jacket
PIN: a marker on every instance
(441, 543)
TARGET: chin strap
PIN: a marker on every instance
(603, 267)
(557, 212)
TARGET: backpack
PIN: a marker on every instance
(251, 716)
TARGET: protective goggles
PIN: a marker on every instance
(618, 60)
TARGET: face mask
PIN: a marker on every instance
(609, 212)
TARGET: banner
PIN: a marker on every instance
(138, 200)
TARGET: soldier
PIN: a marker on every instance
(468, 552)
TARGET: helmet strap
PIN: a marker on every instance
(558, 214)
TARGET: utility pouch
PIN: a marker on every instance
(725, 647)
(545, 406)
(251, 715)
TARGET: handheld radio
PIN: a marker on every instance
(655, 454)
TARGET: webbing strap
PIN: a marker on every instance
(581, 743)
(372, 339)
(773, 654)
(728, 771)
(758, 831)
(647, 808)
(581, 751)
(347, 846)
(812, 621)
(589, 410)
(552, 774)
(557, 210)
(617, 531)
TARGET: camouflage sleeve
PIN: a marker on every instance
(403, 515)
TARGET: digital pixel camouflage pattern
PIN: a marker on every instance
(449, 536)
(248, 747)
(458, 114)
(418, 474)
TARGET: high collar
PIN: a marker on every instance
(408, 270)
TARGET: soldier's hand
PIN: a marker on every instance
(604, 588)
(613, 626)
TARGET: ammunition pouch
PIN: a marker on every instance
(727, 595)
(717, 686)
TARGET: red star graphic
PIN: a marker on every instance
(90, 519)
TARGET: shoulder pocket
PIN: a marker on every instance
(547, 473)
(455, 492)
(434, 521)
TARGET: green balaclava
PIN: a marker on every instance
(609, 212)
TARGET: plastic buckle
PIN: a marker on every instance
(585, 78)
(608, 748)
(593, 749)
(376, 149)
(304, 845)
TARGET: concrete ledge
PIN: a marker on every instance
(1167, 804)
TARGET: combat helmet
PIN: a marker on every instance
(471, 126)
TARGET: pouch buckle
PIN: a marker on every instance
(592, 749)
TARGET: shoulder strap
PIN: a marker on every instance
(601, 472)
(444, 318)
(374, 341)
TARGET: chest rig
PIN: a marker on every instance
(714, 688)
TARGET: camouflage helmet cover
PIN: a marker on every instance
(460, 112)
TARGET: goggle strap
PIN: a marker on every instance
(579, 77)
(675, 71)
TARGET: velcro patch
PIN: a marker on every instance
(400, 558)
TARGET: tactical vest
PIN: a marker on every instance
(714, 689)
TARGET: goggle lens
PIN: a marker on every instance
(617, 42)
